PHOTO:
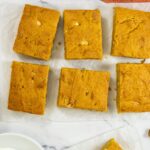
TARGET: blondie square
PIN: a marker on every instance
(131, 33)
(83, 34)
(84, 89)
(36, 32)
(133, 87)
(111, 145)
(28, 87)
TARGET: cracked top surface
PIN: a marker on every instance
(83, 89)
(131, 33)
(83, 34)
(133, 87)
(36, 32)
(28, 87)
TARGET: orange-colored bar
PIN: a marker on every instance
(125, 1)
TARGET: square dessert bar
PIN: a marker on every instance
(111, 145)
(36, 32)
(83, 34)
(28, 87)
(131, 35)
(133, 82)
(84, 89)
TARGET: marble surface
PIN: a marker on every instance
(54, 134)
(59, 136)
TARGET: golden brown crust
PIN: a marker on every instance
(131, 33)
(83, 89)
(111, 145)
(28, 87)
(133, 87)
(36, 32)
(83, 34)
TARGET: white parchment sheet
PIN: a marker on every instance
(126, 137)
(10, 13)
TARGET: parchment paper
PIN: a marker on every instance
(10, 13)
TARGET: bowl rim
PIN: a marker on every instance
(22, 136)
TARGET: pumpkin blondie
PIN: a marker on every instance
(83, 34)
(111, 145)
(28, 87)
(131, 33)
(84, 89)
(133, 90)
(36, 32)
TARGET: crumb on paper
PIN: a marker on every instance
(110, 89)
(143, 61)
(59, 43)
(149, 132)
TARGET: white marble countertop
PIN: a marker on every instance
(53, 135)
(61, 135)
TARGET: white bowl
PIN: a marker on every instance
(18, 142)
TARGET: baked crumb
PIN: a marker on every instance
(129, 37)
(83, 34)
(133, 87)
(75, 90)
(28, 87)
(36, 32)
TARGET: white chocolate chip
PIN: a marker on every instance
(75, 23)
(66, 31)
(84, 42)
(38, 23)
